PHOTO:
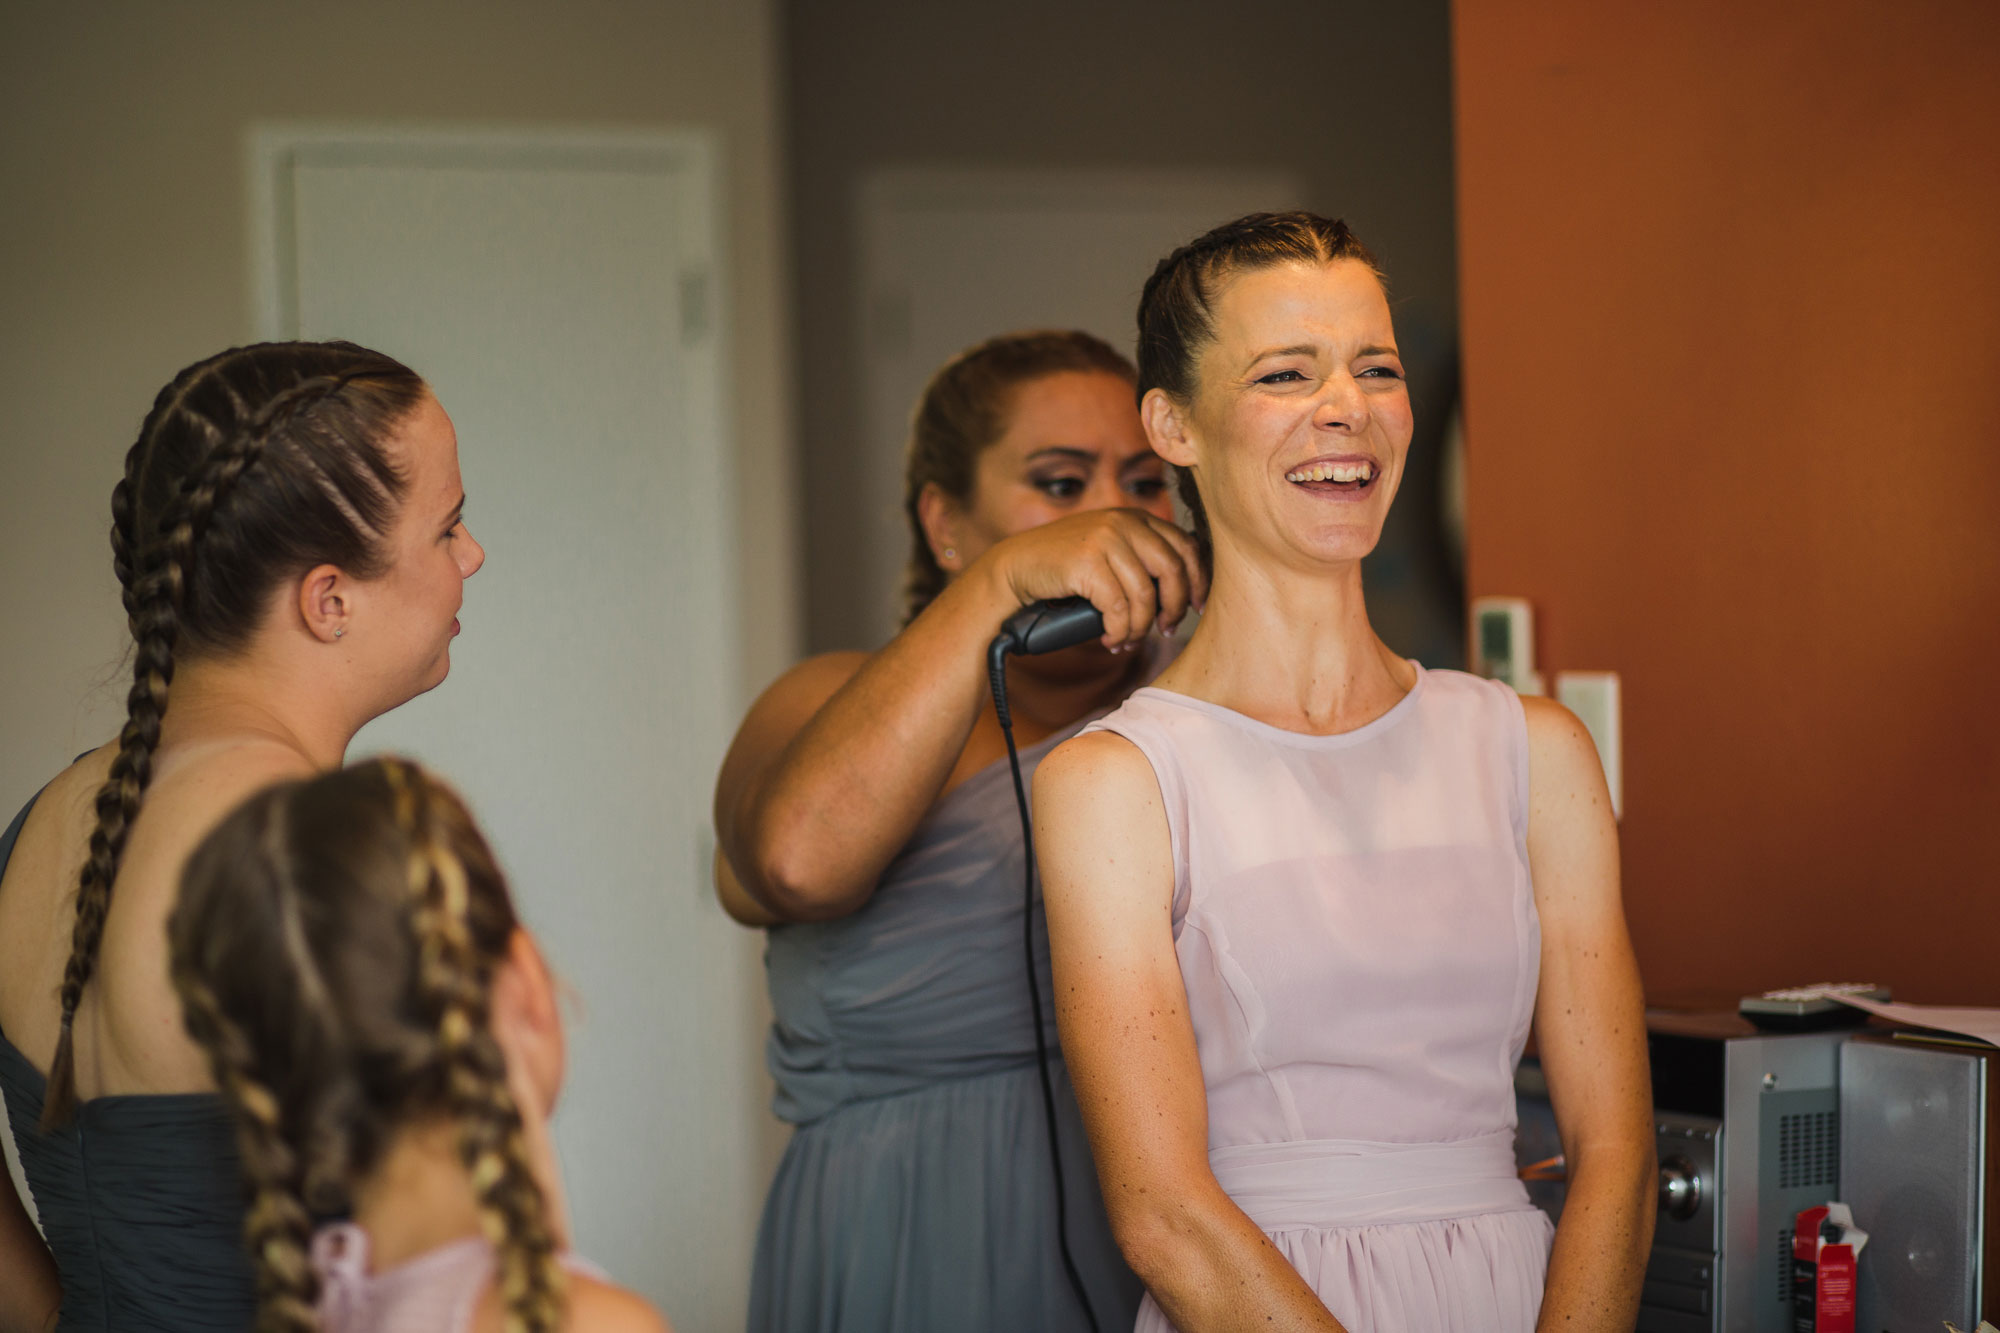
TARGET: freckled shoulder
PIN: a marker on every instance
(1092, 760)
(1562, 757)
(189, 797)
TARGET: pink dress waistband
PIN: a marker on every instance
(1330, 1183)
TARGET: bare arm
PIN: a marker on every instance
(839, 760)
(1590, 1025)
(1108, 881)
(30, 1294)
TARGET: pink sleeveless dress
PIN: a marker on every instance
(1357, 933)
(436, 1292)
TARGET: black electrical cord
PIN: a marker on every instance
(1013, 640)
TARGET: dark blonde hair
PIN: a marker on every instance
(334, 949)
(253, 466)
(1176, 308)
(964, 409)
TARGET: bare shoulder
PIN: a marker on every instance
(36, 891)
(1572, 834)
(1547, 719)
(65, 803)
(80, 781)
(595, 1305)
(812, 682)
(1562, 758)
(1100, 821)
(783, 709)
(780, 713)
(1093, 760)
(193, 792)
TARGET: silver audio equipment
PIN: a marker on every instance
(1921, 1169)
(1747, 1130)
(1682, 1292)
(1776, 1096)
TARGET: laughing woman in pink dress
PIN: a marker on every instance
(1306, 898)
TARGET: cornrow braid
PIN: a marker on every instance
(277, 1229)
(492, 1144)
(155, 551)
(125, 539)
(1176, 306)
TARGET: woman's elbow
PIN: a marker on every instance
(1152, 1246)
(1159, 1236)
(790, 880)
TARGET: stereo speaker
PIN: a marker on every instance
(1920, 1166)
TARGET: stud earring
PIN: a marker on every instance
(951, 553)
(339, 630)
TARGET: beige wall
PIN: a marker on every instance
(1353, 99)
(123, 256)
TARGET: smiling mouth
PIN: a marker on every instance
(1342, 478)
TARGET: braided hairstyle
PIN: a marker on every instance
(1176, 307)
(964, 409)
(334, 948)
(252, 467)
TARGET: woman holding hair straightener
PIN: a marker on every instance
(867, 819)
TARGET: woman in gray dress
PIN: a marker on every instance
(290, 543)
(866, 817)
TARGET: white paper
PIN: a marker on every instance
(1979, 1024)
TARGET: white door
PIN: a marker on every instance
(559, 294)
(952, 257)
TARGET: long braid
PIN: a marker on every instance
(277, 1229)
(513, 1210)
(153, 597)
(154, 602)
(124, 543)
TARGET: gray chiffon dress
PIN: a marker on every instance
(917, 1193)
(140, 1198)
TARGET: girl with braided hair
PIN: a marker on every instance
(289, 541)
(1305, 898)
(388, 1040)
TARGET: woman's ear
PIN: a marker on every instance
(324, 594)
(1166, 428)
(940, 516)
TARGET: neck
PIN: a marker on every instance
(1047, 694)
(247, 696)
(418, 1197)
(1292, 648)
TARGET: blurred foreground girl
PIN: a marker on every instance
(386, 1035)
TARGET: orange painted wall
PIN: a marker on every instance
(1730, 283)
